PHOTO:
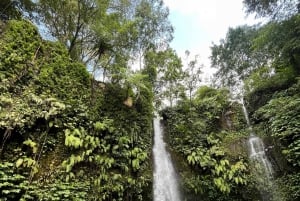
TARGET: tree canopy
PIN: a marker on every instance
(234, 57)
(274, 9)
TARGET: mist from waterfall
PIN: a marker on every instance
(165, 184)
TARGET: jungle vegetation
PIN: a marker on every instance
(81, 80)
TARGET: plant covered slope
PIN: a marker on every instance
(279, 118)
(271, 86)
(59, 142)
(273, 100)
(210, 144)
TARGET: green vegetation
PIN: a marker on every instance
(76, 119)
(212, 167)
(267, 67)
(60, 141)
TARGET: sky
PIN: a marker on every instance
(199, 23)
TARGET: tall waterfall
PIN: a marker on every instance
(165, 185)
(262, 168)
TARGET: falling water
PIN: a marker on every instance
(247, 118)
(165, 185)
(263, 169)
(257, 149)
(257, 152)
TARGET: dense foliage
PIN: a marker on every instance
(66, 135)
(270, 86)
(60, 142)
(275, 9)
(202, 134)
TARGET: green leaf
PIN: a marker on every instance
(19, 162)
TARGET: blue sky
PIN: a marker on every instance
(198, 23)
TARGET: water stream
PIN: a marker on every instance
(257, 148)
(247, 118)
(165, 184)
(257, 152)
(261, 166)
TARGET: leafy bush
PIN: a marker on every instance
(290, 185)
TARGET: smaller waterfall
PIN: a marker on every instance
(247, 118)
(257, 148)
(262, 168)
(165, 185)
(257, 152)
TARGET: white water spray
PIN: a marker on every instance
(165, 185)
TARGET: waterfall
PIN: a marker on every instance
(247, 118)
(165, 184)
(257, 148)
(262, 167)
(257, 152)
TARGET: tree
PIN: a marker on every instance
(113, 43)
(165, 73)
(280, 39)
(69, 21)
(170, 76)
(104, 34)
(192, 74)
(133, 82)
(153, 27)
(275, 9)
(151, 63)
(234, 57)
